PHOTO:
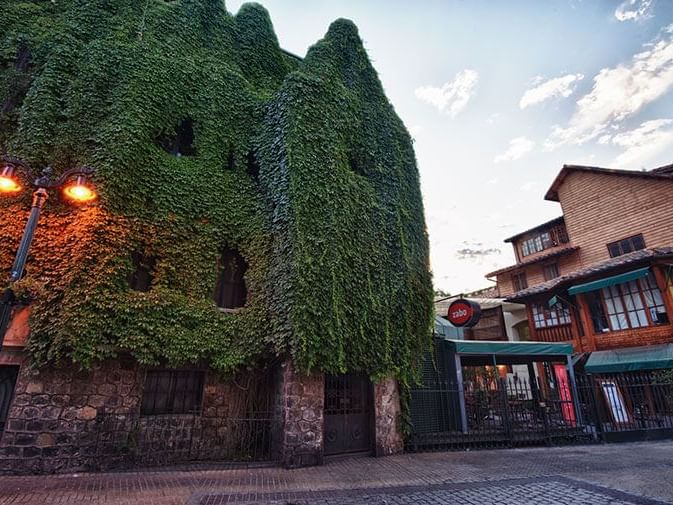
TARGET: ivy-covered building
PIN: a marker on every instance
(253, 282)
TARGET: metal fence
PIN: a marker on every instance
(512, 412)
(490, 413)
(629, 406)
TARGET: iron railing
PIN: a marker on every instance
(491, 413)
(509, 412)
(628, 406)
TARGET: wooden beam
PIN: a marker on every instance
(531, 322)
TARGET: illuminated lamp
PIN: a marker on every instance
(8, 182)
(79, 190)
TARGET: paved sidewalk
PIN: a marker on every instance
(616, 474)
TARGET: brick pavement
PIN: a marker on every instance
(529, 491)
(595, 474)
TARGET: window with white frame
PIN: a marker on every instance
(544, 317)
(629, 305)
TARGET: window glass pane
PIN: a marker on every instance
(172, 392)
(616, 312)
(538, 316)
(638, 242)
(565, 315)
(552, 318)
(538, 243)
(626, 246)
(546, 240)
(634, 304)
(653, 300)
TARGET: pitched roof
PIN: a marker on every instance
(666, 169)
(552, 222)
(552, 254)
(663, 173)
(630, 259)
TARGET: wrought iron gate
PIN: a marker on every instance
(8, 376)
(348, 414)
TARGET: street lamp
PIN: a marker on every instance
(76, 188)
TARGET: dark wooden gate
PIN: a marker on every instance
(7, 382)
(348, 414)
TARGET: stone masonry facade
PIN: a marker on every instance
(388, 418)
(299, 409)
(65, 420)
(54, 420)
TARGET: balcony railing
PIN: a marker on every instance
(560, 333)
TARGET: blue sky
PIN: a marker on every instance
(499, 95)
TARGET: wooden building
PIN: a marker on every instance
(600, 275)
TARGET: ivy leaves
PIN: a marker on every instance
(330, 221)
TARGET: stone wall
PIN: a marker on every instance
(62, 420)
(55, 418)
(299, 409)
(388, 420)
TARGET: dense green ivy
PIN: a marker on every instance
(332, 226)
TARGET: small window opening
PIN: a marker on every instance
(172, 392)
(252, 167)
(519, 281)
(181, 141)
(231, 160)
(230, 289)
(626, 245)
(143, 272)
(21, 80)
(355, 165)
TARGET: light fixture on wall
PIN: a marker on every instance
(76, 188)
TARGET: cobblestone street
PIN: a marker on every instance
(639, 473)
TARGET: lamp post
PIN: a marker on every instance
(75, 187)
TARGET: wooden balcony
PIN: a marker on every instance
(560, 333)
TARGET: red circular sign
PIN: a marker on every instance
(464, 313)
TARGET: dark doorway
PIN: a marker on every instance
(348, 414)
(7, 382)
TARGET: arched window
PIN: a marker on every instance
(230, 290)
(179, 142)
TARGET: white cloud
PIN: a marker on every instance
(553, 88)
(643, 143)
(604, 139)
(619, 92)
(453, 95)
(528, 186)
(633, 10)
(518, 147)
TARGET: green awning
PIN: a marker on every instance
(631, 359)
(609, 281)
(519, 348)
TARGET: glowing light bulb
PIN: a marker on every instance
(79, 191)
(8, 183)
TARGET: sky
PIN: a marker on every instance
(498, 95)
